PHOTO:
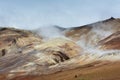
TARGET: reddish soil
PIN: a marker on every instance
(94, 71)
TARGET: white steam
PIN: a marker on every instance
(33, 14)
(48, 32)
(100, 31)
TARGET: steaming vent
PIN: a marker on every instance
(55, 48)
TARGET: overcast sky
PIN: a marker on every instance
(30, 14)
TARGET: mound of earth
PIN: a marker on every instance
(85, 49)
(11, 40)
(58, 50)
(24, 52)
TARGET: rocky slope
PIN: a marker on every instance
(93, 33)
(12, 39)
(111, 42)
(25, 52)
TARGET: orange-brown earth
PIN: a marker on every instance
(111, 42)
(95, 71)
(84, 53)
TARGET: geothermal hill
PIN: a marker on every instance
(89, 52)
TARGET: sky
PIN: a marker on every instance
(31, 14)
